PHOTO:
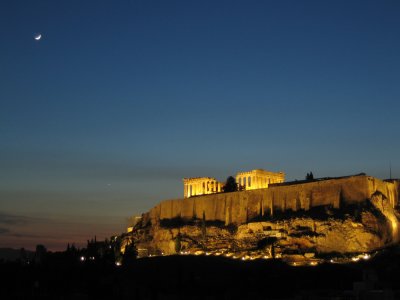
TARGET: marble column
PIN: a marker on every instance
(184, 190)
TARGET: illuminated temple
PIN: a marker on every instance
(251, 180)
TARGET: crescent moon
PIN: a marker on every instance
(38, 37)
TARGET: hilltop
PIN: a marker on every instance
(352, 214)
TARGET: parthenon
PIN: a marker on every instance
(258, 179)
(200, 186)
(251, 180)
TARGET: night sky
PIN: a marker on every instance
(103, 117)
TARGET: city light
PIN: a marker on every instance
(311, 261)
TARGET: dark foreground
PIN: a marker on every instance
(189, 277)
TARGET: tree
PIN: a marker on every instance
(178, 245)
(23, 256)
(230, 185)
(203, 226)
(116, 243)
(129, 255)
(310, 176)
(40, 254)
(268, 242)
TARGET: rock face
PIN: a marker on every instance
(351, 214)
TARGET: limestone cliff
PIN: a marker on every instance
(349, 214)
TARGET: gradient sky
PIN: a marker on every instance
(103, 117)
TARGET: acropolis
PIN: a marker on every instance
(251, 180)
(348, 214)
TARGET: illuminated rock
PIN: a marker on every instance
(348, 214)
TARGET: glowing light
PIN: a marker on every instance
(83, 258)
(118, 264)
(395, 230)
(355, 259)
(366, 256)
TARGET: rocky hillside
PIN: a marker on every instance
(359, 227)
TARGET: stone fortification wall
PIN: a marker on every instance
(241, 207)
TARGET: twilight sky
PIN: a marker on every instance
(103, 117)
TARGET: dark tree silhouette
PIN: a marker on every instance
(268, 242)
(178, 245)
(23, 256)
(203, 226)
(129, 255)
(40, 254)
(230, 185)
(310, 176)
